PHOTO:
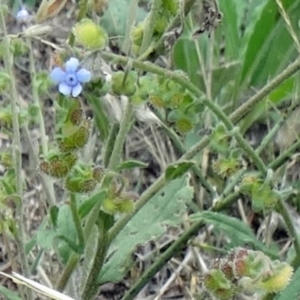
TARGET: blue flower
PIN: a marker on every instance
(22, 15)
(69, 80)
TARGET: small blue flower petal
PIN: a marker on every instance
(72, 65)
(57, 75)
(83, 75)
(76, 90)
(65, 89)
(22, 15)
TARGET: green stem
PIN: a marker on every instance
(269, 137)
(250, 152)
(180, 147)
(192, 88)
(149, 26)
(94, 214)
(162, 260)
(226, 202)
(110, 143)
(233, 182)
(275, 164)
(44, 139)
(282, 209)
(159, 45)
(240, 112)
(91, 286)
(17, 157)
(121, 136)
(45, 181)
(130, 22)
(67, 271)
(77, 221)
(184, 81)
(37, 261)
(178, 77)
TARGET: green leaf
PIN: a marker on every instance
(234, 228)
(76, 248)
(115, 17)
(54, 210)
(45, 238)
(130, 164)
(88, 204)
(231, 26)
(151, 222)
(269, 46)
(178, 169)
(66, 227)
(292, 291)
(186, 59)
(9, 295)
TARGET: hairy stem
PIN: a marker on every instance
(44, 139)
(17, 157)
(149, 26)
(94, 214)
(77, 221)
(130, 22)
(91, 286)
(110, 143)
(240, 112)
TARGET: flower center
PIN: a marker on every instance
(71, 80)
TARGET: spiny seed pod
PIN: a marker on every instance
(184, 125)
(98, 173)
(226, 166)
(137, 34)
(176, 100)
(124, 205)
(58, 166)
(224, 294)
(226, 268)
(44, 167)
(109, 206)
(214, 280)
(251, 178)
(156, 101)
(77, 140)
(90, 35)
(80, 185)
(240, 268)
(124, 86)
(279, 280)
(76, 116)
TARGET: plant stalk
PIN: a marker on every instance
(17, 156)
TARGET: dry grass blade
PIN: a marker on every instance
(52, 294)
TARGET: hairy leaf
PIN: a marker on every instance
(163, 209)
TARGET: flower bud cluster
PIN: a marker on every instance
(246, 271)
(61, 163)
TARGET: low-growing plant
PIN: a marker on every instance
(205, 74)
